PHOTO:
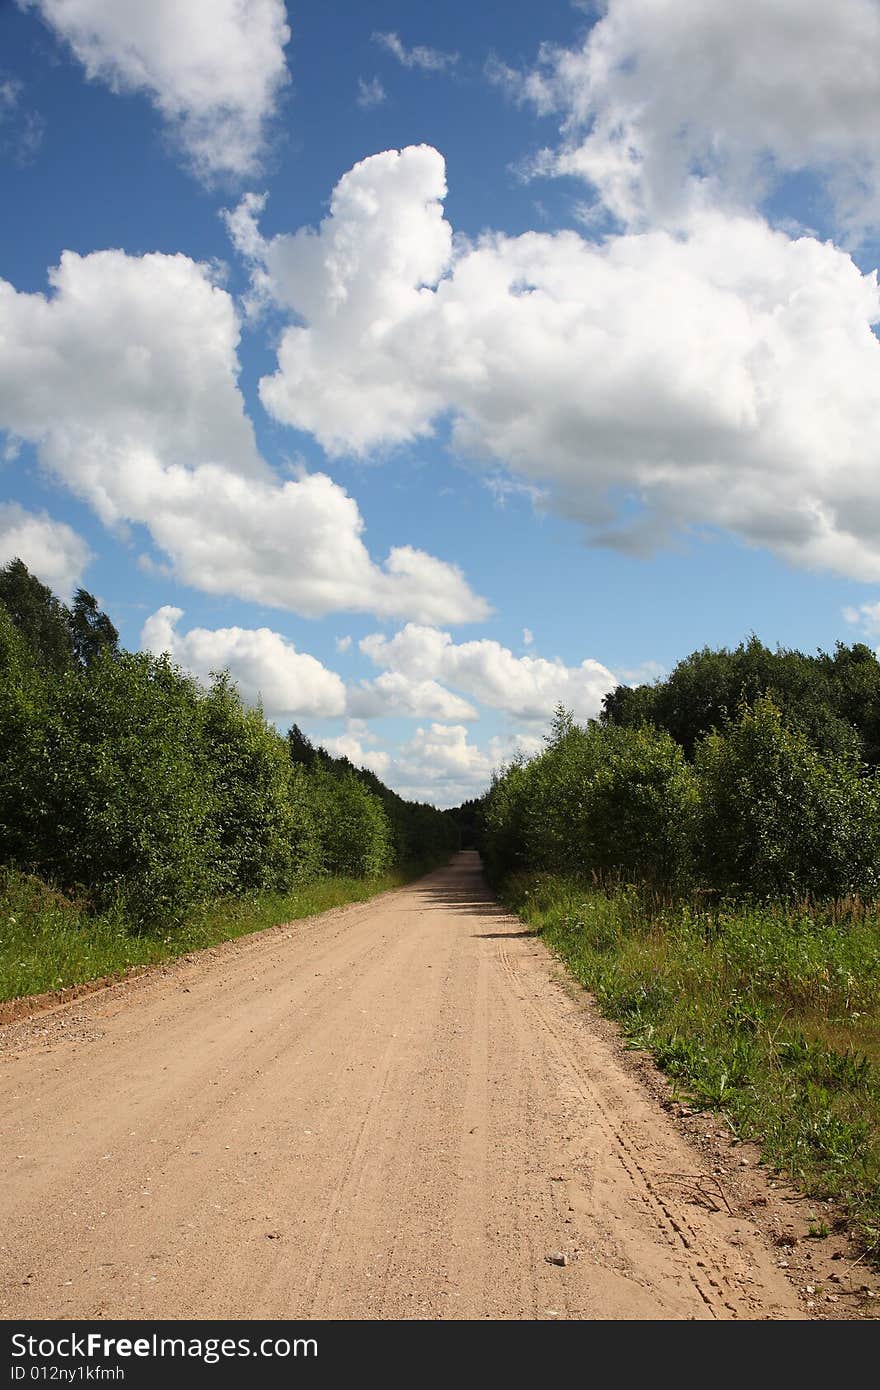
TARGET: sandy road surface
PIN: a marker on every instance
(391, 1111)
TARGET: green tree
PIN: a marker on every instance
(91, 630)
(638, 809)
(40, 617)
(128, 789)
(777, 819)
(263, 824)
(300, 748)
(354, 831)
(836, 701)
(24, 701)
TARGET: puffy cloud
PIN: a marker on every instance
(528, 637)
(126, 380)
(395, 692)
(213, 68)
(670, 101)
(439, 765)
(527, 687)
(370, 94)
(354, 744)
(427, 59)
(267, 668)
(356, 281)
(52, 550)
(132, 359)
(723, 373)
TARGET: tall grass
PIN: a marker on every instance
(768, 1013)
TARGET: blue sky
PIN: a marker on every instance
(429, 365)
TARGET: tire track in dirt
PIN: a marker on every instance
(673, 1227)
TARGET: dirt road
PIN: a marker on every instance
(391, 1111)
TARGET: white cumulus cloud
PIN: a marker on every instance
(266, 667)
(670, 102)
(125, 378)
(269, 670)
(396, 693)
(52, 550)
(440, 765)
(722, 373)
(356, 281)
(526, 687)
(214, 69)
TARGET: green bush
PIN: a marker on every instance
(354, 832)
(505, 843)
(263, 824)
(23, 705)
(776, 819)
(128, 796)
(615, 802)
(639, 808)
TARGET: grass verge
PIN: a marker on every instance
(768, 1014)
(48, 942)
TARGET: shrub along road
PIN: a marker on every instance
(393, 1110)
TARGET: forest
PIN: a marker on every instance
(131, 795)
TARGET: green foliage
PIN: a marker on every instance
(505, 843)
(263, 823)
(834, 700)
(614, 802)
(126, 784)
(468, 819)
(760, 812)
(354, 830)
(57, 635)
(40, 617)
(777, 819)
(128, 806)
(640, 808)
(300, 748)
(91, 630)
(23, 706)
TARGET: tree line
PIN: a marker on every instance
(746, 773)
(125, 782)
